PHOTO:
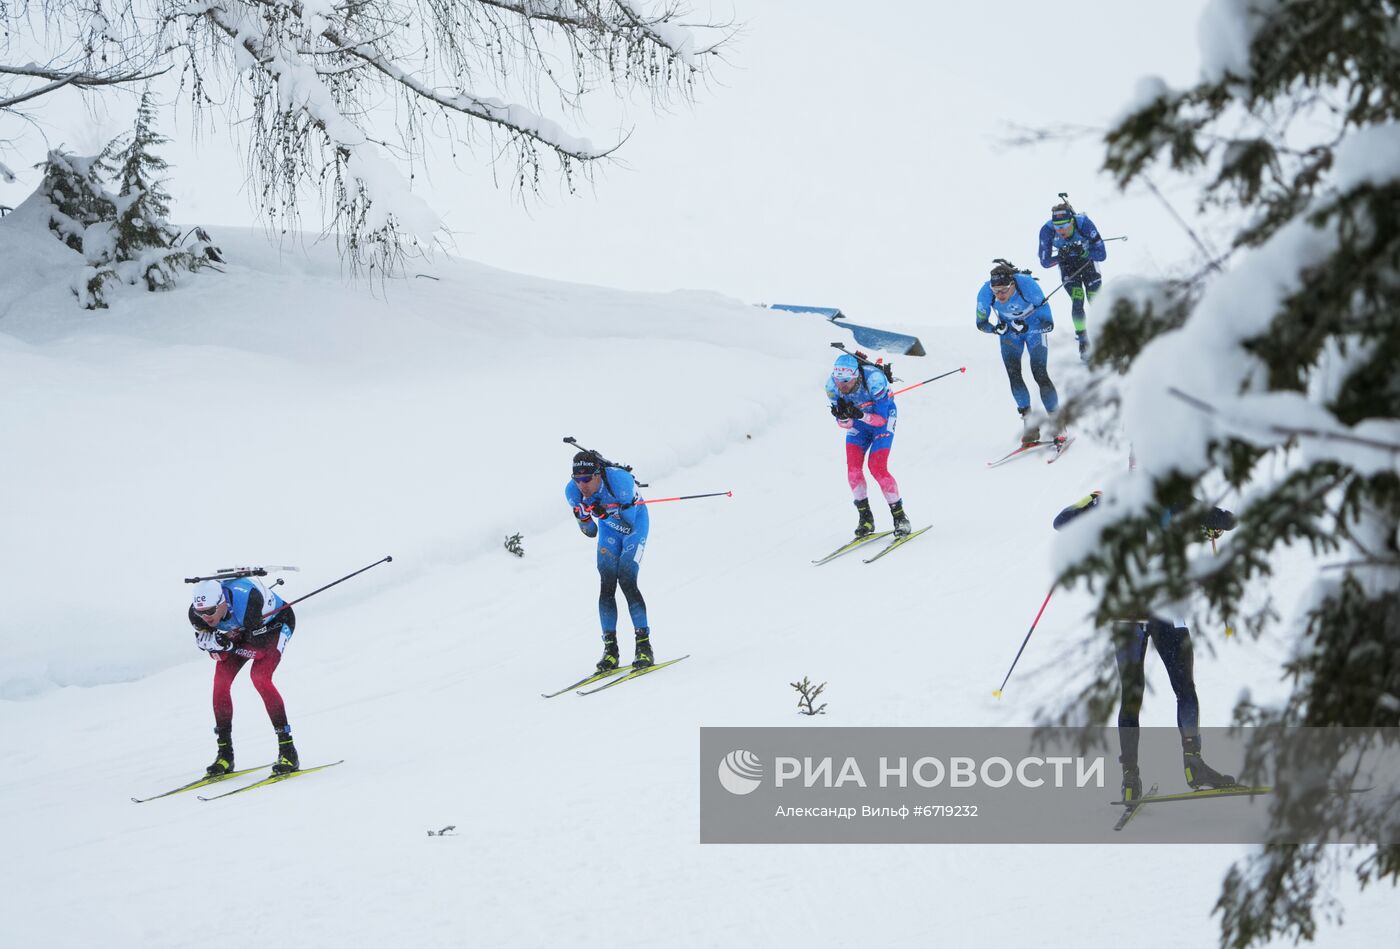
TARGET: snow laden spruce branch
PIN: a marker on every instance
(345, 98)
(1269, 378)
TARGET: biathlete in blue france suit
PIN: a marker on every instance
(1071, 242)
(234, 621)
(1173, 644)
(1023, 320)
(609, 494)
(860, 398)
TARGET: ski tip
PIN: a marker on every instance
(729, 494)
(962, 369)
(996, 693)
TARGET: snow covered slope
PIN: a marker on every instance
(276, 413)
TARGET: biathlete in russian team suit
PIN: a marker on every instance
(861, 402)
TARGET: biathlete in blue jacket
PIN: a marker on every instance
(859, 393)
(1071, 242)
(235, 621)
(1023, 320)
(1172, 641)
(609, 494)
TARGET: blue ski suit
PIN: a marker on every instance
(622, 539)
(1076, 255)
(1026, 304)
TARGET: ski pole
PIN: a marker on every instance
(927, 381)
(1229, 627)
(916, 385)
(688, 497)
(1063, 282)
(683, 497)
(268, 616)
(997, 692)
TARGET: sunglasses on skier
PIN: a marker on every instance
(584, 479)
(211, 611)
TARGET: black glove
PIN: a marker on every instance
(1072, 251)
(1047, 325)
(600, 510)
(1001, 328)
(1018, 326)
(846, 409)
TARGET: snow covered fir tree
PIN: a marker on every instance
(144, 245)
(125, 237)
(1271, 372)
(72, 187)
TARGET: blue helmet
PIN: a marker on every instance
(846, 368)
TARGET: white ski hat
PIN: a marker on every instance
(207, 595)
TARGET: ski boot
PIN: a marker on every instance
(1083, 340)
(1030, 434)
(901, 522)
(867, 519)
(287, 760)
(643, 650)
(223, 761)
(1132, 782)
(609, 660)
(1198, 773)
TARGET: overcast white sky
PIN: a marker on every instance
(839, 158)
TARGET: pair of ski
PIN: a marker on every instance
(206, 781)
(1026, 449)
(1130, 808)
(615, 676)
(862, 541)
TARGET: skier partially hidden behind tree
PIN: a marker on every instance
(861, 402)
(1173, 644)
(609, 493)
(232, 623)
(1023, 320)
(1071, 242)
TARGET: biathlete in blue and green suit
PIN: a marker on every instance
(1071, 242)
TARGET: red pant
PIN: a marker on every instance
(855, 473)
(226, 669)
